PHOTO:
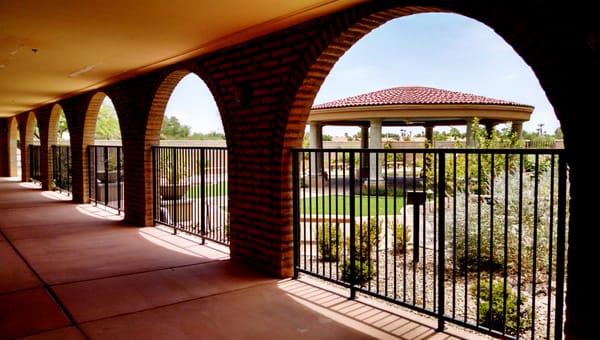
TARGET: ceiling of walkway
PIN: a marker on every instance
(51, 50)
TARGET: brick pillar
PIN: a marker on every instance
(81, 114)
(26, 123)
(45, 148)
(132, 101)
(4, 148)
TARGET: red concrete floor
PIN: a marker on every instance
(70, 271)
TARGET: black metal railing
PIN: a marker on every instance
(35, 172)
(61, 167)
(190, 190)
(105, 164)
(472, 237)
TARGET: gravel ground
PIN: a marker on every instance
(418, 278)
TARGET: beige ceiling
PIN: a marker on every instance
(54, 49)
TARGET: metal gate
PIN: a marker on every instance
(472, 237)
(105, 164)
(190, 190)
(61, 167)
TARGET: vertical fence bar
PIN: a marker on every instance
(105, 156)
(203, 194)
(118, 155)
(155, 203)
(560, 246)
(441, 240)
(296, 210)
(352, 229)
(89, 158)
(96, 175)
(174, 183)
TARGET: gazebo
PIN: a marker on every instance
(414, 106)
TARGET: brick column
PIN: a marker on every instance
(43, 117)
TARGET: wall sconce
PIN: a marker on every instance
(242, 93)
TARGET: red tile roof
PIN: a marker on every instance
(413, 95)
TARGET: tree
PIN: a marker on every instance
(558, 134)
(107, 125)
(455, 134)
(62, 126)
(173, 129)
(327, 138)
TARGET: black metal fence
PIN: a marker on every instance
(35, 172)
(105, 165)
(61, 167)
(473, 237)
(190, 190)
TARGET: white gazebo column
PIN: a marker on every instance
(517, 128)
(375, 143)
(470, 138)
(315, 141)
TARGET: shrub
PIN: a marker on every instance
(532, 226)
(366, 237)
(495, 318)
(328, 242)
(467, 259)
(365, 271)
(400, 246)
(382, 191)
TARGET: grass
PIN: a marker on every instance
(336, 204)
(213, 189)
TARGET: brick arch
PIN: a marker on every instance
(53, 124)
(26, 124)
(52, 136)
(86, 138)
(91, 118)
(531, 34)
(13, 130)
(324, 53)
(159, 104)
(161, 98)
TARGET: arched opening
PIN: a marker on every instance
(14, 152)
(59, 144)
(394, 210)
(190, 165)
(103, 154)
(30, 149)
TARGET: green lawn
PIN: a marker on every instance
(314, 205)
(213, 189)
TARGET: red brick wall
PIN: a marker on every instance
(265, 87)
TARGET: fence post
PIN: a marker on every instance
(296, 210)
(203, 194)
(96, 176)
(352, 230)
(118, 151)
(175, 179)
(89, 160)
(441, 239)
(155, 207)
(560, 246)
(106, 175)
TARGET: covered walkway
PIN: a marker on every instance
(74, 271)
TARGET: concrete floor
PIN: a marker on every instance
(72, 271)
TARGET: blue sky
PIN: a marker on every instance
(446, 51)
